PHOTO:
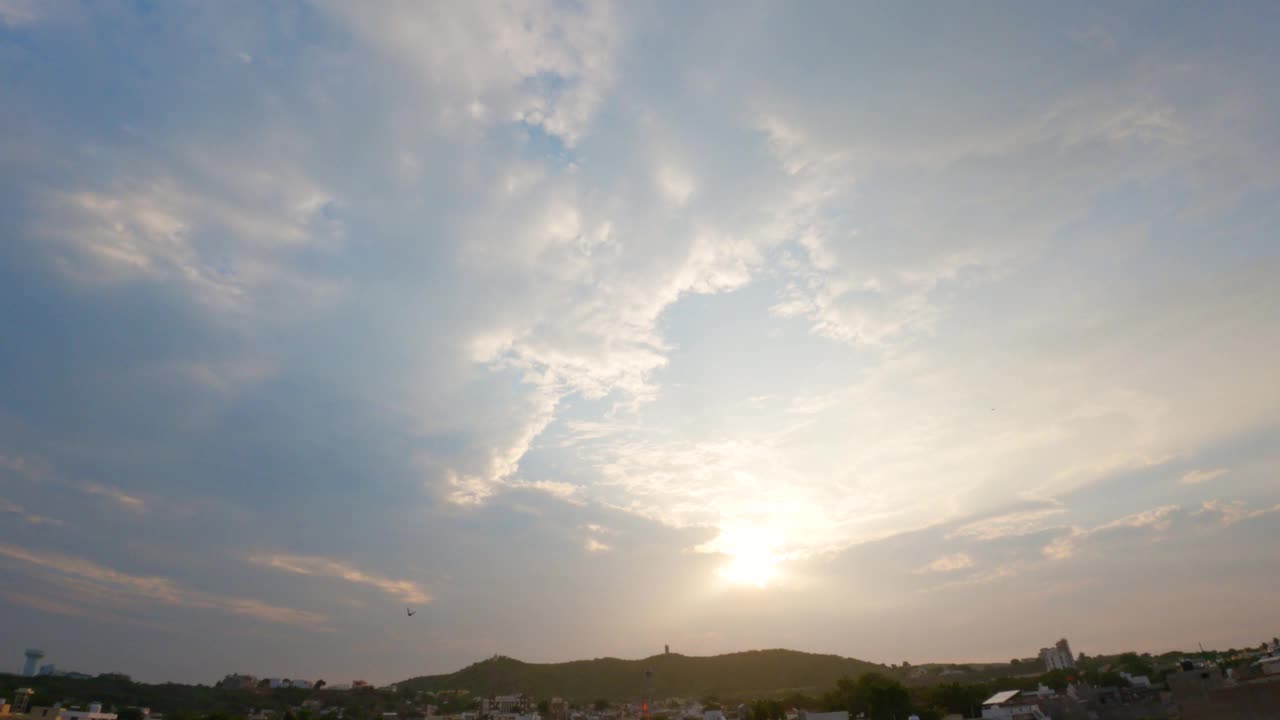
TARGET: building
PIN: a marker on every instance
(47, 669)
(57, 713)
(1202, 693)
(1058, 657)
(22, 699)
(840, 715)
(32, 662)
(1010, 705)
(502, 705)
(1138, 681)
(93, 713)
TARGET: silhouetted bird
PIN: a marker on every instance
(410, 612)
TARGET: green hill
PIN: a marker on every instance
(737, 675)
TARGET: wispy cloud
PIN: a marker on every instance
(1195, 477)
(995, 574)
(1229, 513)
(1023, 522)
(116, 495)
(142, 588)
(406, 590)
(8, 506)
(13, 463)
(1156, 519)
(948, 563)
(43, 604)
(595, 546)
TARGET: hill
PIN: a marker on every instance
(752, 674)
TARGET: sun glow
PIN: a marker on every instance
(751, 569)
(751, 559)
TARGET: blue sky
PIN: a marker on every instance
(898, 331)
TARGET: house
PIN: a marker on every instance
(1009, 705)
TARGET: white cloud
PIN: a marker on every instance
(948, 563)
(1022, 522)
(1156, 520)
(19, 12)
(100, 583)
(595, 546)
(531, 61)
(674, 183)
(1229, 513)
(406, 590)
(222, 225)
(116, 495)
(13, 508)
(1195, 477)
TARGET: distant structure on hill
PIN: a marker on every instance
(1058, 657)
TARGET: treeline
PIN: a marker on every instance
(182, 702)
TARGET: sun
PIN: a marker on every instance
(755, 568)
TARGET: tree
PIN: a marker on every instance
(1056, 679)
(544, 708)
(129, 714)
(958, 698)
(1133, 664)
(767, 710)
(878, 696)
(601, 704)
(319, 684)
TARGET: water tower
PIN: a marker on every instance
(33, 660)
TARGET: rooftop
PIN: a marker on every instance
(1001, 697)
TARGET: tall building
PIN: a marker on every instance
(33, 661)
(1058, 657)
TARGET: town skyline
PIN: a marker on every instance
(1035, 659)
(357, 338)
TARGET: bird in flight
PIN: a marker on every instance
(410, 612)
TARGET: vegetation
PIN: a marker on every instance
(877, 696)
(737, 676)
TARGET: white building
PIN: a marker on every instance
(718, 715)
(93, 713)
(1136, 680)
(1008, 706)
(1058, 657)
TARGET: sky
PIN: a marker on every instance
(902, 331)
